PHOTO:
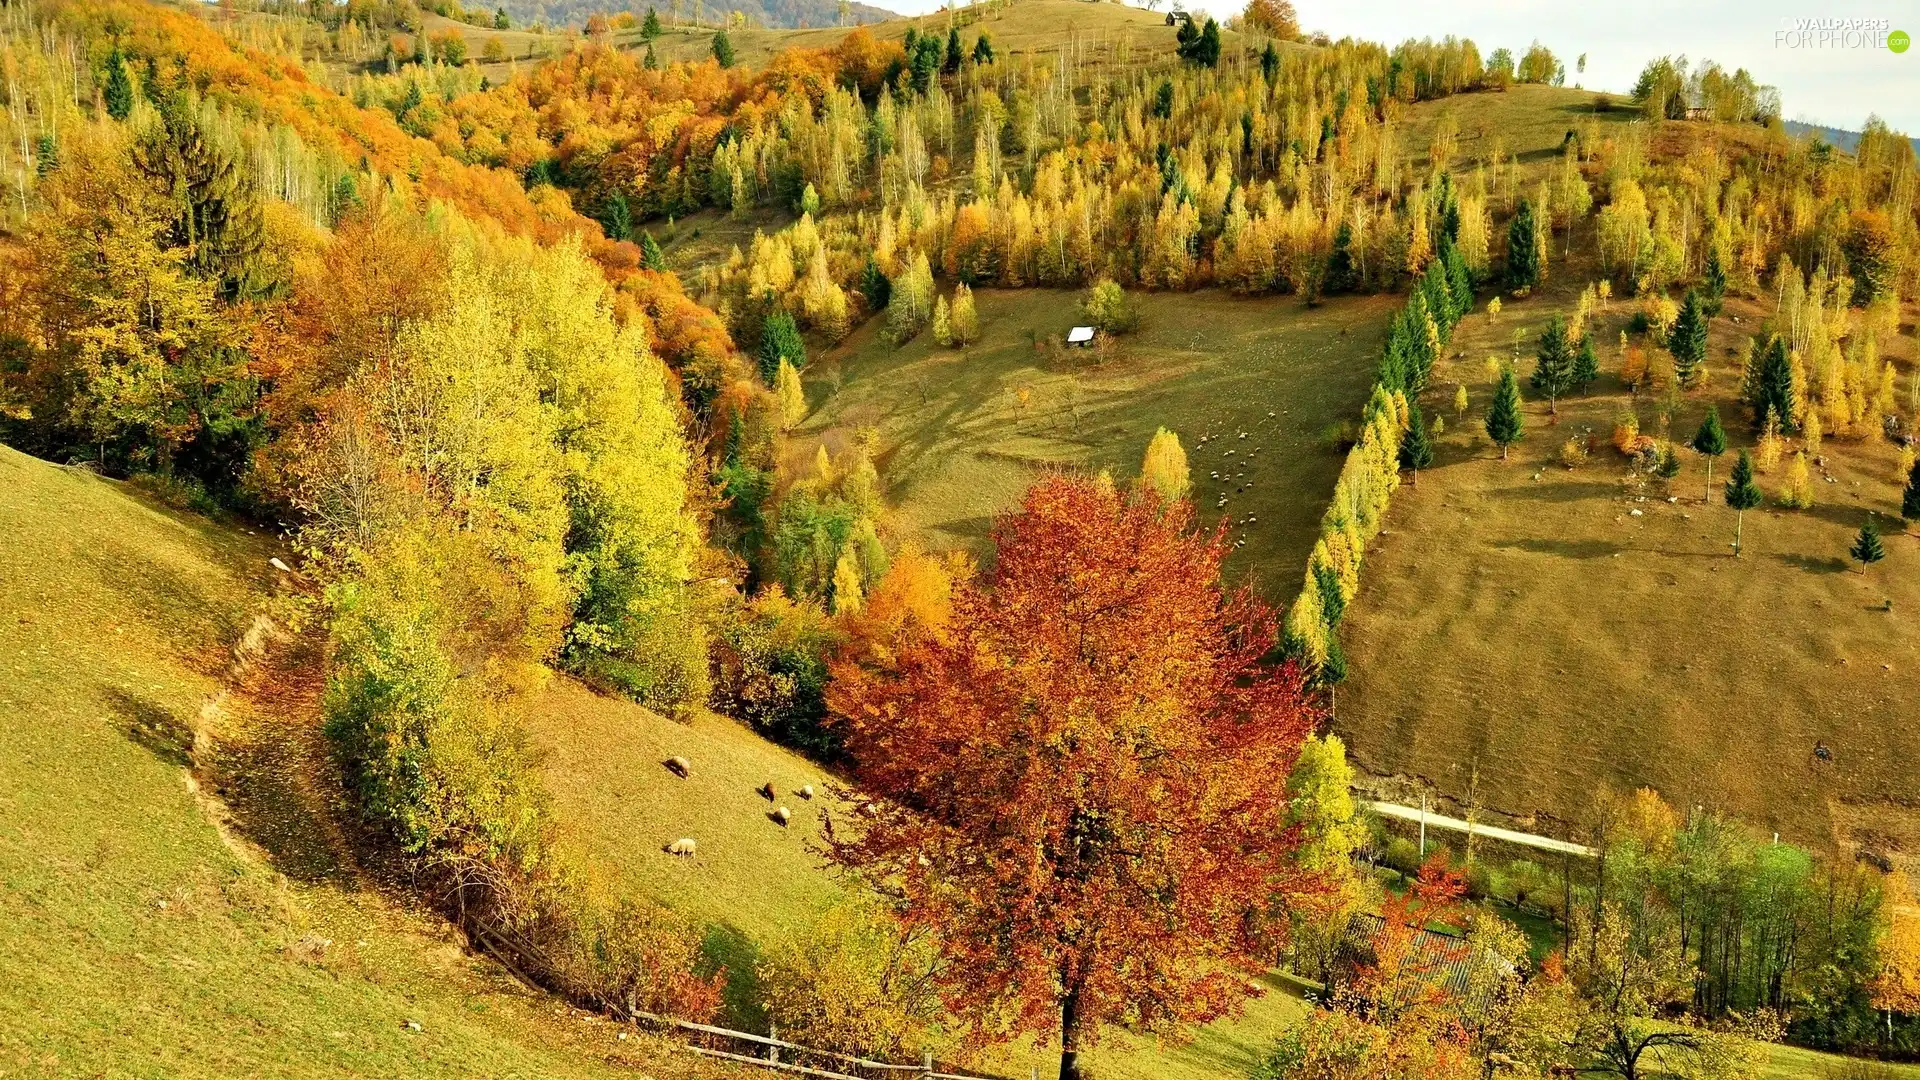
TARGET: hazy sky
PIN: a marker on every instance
(1827, 85)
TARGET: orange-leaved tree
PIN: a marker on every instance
(1081, 785)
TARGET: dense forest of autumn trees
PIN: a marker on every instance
(419, 323)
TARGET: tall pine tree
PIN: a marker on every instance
(1505, 426)
(119, 89)
(1770, 385)
(1742, 494)
(1553, 369)
(951, 63)
(1867, 549)
(1710, 442)
(1523, 253)
(780, 340)
(1586, 364)
(1416, 448)
(1688, 340)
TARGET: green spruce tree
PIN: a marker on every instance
(875, 286)
(1716, 280)
(951, 63)
(1770, 385)
(982, 50)
(1867, 549)
(1554, 365)
(1523, 257)
(1505, 425)
(1416, 447)
(651, 257)
(1710, 442)
(119, 89)
(1270, 62)
(780, 340)
(1687, 341)
(723, 49)
(1742, 494)
(652, 61)
(650, 26)
(1586, 364)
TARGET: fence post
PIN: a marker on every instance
(926, 1061)
(773, 1052)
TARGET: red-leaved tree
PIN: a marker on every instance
(1080, 788)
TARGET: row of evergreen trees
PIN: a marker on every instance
(1393, 435)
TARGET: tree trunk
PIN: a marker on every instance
(1707, 495)
(1070, 1035)
(1739, 520)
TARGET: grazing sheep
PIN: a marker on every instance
(781, 816)
(806, 791)
(678, 766)
(684, 846)
(766, 791)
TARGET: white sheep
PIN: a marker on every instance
(683, 846)
(782, 815)
(679, 766)
(806, 791)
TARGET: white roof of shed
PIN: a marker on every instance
(1079, 334)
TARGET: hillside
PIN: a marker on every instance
(141, 938)
(1030, 28)
(773, 14)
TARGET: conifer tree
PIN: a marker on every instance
(723, 49)
(1523, 253)
(1164, 469)
(1505, 426)
(651, 257)
(780, 340)
(1910, 499)
(1207, 52)
(1586, 364)
(1416, 448)
(1742, 494)
(1770, 385)
(650, 26)
(1716, 280)
(119, 89)
(1687, 341)
(875, 286)
(1341, 275)
(1710, 442)
(1867, 549)
(954, 57)
(982, 49)
(1270, 62)
(652, 61)
(1554, 366)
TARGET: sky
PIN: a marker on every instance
(1832, 86)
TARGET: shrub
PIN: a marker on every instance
(853, 982)
(1626, 431)
(1573, 452)
(1403, 855)
(1479, 878)
(773, 669)
(1109, 308)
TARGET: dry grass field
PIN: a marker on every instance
(1560, 630)
(963, 431)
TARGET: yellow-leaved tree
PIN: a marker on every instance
(1164, 468)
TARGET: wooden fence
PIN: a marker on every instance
(771, 1052)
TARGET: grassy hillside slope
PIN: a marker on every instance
(958, 442)
(138, 942)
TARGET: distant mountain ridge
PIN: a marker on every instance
(773, 14)
(1841, 138)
